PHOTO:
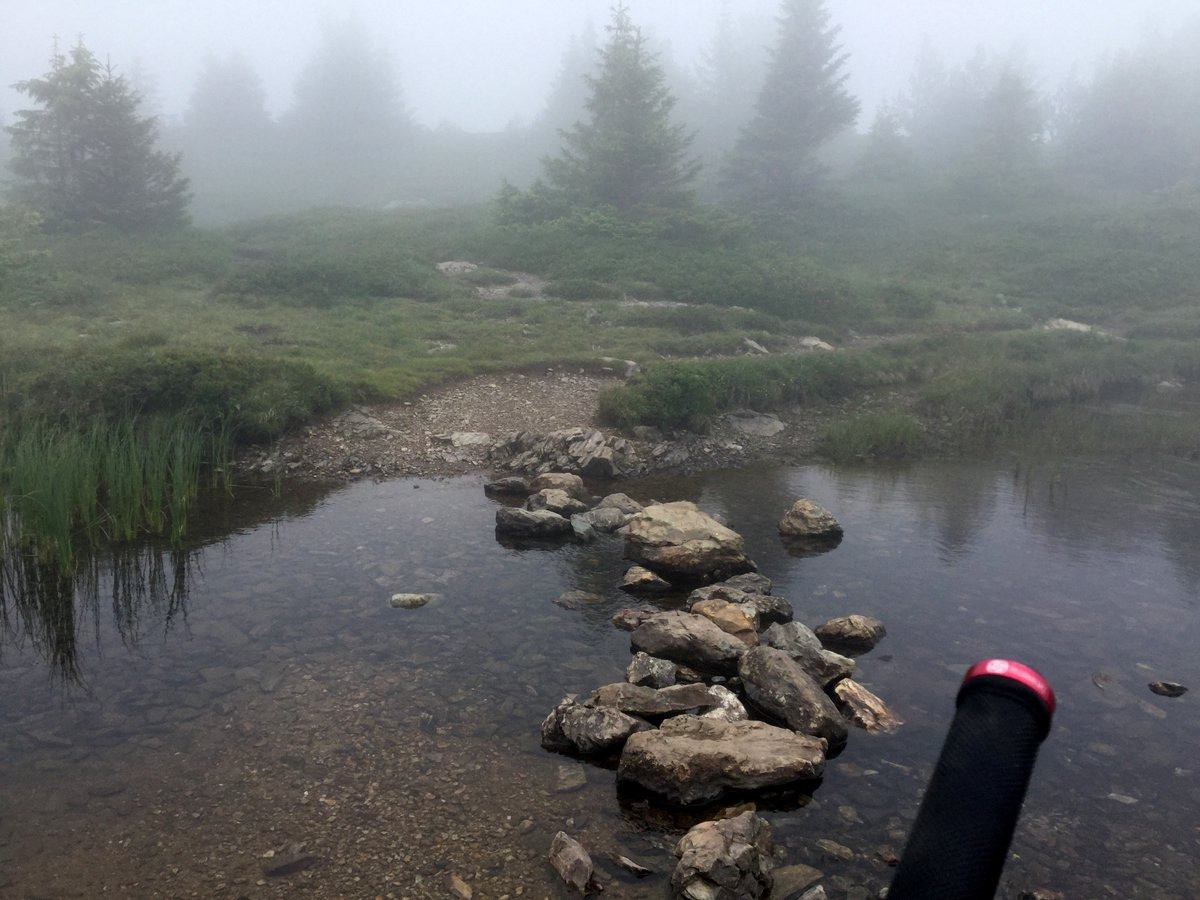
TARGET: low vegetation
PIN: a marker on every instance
(104, 480)
(880, 435)
(254, 329)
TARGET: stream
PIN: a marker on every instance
(176, 722)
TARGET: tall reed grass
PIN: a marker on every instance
(63, 485)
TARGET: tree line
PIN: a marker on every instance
(623, 129)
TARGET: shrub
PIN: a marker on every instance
(686, 394)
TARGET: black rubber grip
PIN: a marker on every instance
(960, 839)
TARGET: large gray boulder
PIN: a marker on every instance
(777, 686)
(729, 859)
(573, 727)
(693, 760)
(689, 639)
(678, 541)
(523, 523)
(802, 645)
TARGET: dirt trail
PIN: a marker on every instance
(450, 430)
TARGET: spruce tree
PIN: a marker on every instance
(629, 154)
(86, 157)
(803, 103)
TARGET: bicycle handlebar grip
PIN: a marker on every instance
(960, 840)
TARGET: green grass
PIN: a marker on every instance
(880, 435)
(66, 484)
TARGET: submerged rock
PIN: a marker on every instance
(864, 709)
(790, 882)
(629, 619)
(802, 645)
(677, 540)
(574, 727)
(411, 601)
(573, 864)
(523, 523)
(806, 519)
(729, 859)
(577, 599)
(689, 639)
(650, 671)
(691, 760)
(508, 487)
(856, 634)
(1168, 689)
(639, 580)
(776, 685)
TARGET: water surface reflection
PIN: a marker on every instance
(255, 690)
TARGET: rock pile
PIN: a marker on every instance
(583, 451)
(557, 505)
(727, 694)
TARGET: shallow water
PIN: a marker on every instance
(167, 740)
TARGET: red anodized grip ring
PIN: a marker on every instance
(1018, 672)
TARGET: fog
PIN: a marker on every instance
(481, 65)
(280, 106)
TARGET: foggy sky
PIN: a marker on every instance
(481, 64)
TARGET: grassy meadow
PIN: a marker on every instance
(108, 341)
